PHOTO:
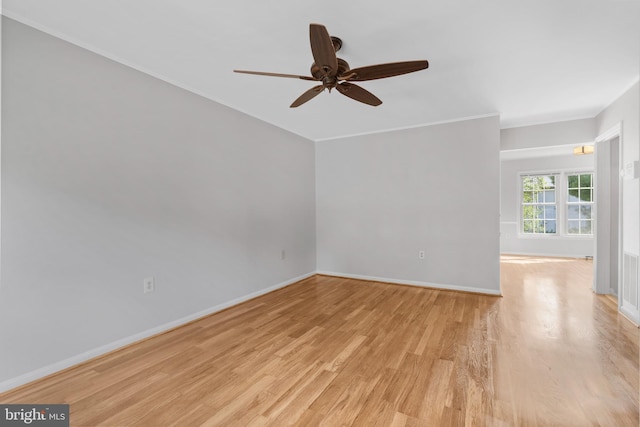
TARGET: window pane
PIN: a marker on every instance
(539, 212)
(573, 181)
(573, 212)
(550, 227)
(550, 212)
(527, 226)
(585, 227)
(585, 180)
(585, 212)
(539, 197)
(585, 195)
(539, 226)
(550, 181)
(573, 227)
(529, 183)
(527, 212)
(573, 196)
(527, 197)
(550, 196)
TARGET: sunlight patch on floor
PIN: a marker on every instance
(517, 259)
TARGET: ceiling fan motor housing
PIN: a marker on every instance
(320, 74)
(336, 42)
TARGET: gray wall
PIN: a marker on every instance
(382, 198)
(110, 176)
(548, 134)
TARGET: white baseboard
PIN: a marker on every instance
(630, 315)
(414, 283)
(88, 355)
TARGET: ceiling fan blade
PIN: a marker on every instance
(261, 73)
(308, 95)
(358, 93)
(381, 71)
(324, 54)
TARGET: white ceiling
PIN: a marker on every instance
(531, 61)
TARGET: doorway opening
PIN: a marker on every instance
(608, 265)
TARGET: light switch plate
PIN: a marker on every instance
(630, 170)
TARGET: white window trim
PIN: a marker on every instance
(562, 208)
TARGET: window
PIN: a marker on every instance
(557, 203)
(539, 209)
(579, 203)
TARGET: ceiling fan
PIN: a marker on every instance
(334, 72)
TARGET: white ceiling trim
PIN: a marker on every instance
(548, 122)
(422, 125)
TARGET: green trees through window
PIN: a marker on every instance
(539, 210)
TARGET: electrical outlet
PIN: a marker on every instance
(149, 285)
(420, 254)
(283, 254)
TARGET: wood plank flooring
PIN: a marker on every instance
(339, 352)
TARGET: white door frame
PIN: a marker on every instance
(610, 134)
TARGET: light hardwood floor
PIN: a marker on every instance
(339, 352)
